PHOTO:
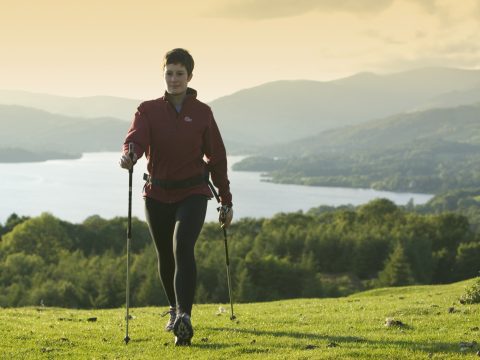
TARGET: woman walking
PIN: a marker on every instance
(180, 138)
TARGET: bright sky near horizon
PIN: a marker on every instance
(105, 47)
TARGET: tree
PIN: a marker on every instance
(467, 263)
(379, 211)
(12, 221)
(43, 235)
(397, 271)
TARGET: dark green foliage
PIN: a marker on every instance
(397, 271)
(464, 202)
(324, 252)
(467, 261)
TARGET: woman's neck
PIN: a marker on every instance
(177, 99)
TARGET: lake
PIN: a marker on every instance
(72, 190)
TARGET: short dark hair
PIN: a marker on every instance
(179, 56)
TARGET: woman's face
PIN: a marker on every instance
(176, 79)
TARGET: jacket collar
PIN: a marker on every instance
(191, 93)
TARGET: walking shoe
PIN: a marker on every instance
(171, 321)
(183, 330)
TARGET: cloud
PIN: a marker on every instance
(268, 9)
(477, 11)
(429, 6)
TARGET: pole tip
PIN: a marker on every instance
(127, 339)
(233, 317)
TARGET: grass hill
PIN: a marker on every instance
(424, 322)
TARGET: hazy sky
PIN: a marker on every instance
(104, 47)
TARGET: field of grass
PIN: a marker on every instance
(429, 323)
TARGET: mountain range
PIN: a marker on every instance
(274, 113)
(286, 110)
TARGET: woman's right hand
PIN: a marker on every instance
(225, 215)
(127, 163)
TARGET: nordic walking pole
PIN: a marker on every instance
(227, 260)
(129, 237)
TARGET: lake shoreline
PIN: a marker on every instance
(20, 156)
(95, 185)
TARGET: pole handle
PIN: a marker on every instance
(130, 155)
(131, 151)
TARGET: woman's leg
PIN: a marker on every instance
(190, 216)
(161, 222)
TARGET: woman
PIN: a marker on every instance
(182, 143)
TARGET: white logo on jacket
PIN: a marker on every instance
(188, 119)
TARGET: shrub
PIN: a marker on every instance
(472, 294)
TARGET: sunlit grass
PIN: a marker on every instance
(435, 326)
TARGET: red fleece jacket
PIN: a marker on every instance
(179, 146)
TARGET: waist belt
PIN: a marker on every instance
(175, 184)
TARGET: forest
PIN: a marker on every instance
(428, 167)
(324, 252)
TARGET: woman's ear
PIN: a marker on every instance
(190, 77)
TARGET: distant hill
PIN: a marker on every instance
(85, 107)
(459, 124)
(282, 111)
(452, 99)
(40, 131)
(429, 151)
(17, 155)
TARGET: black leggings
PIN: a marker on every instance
(175, 229)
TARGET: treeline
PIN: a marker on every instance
(432, 166)
(464, 202)
(324, 252)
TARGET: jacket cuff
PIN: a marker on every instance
(226, 199)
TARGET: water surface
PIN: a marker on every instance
(75, 189)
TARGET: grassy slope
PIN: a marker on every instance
(292, 329)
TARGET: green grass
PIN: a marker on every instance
(345, 328)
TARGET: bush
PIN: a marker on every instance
(472, 294)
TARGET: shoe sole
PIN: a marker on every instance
(182, 342)
(183, 332)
